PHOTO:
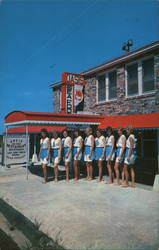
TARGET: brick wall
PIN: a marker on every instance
(147, 103)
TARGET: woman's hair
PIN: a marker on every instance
(44, 130)
(77, 130)
(54, 132)
(109, 129)
(65, 130)
(99, 130)
(90, 129)
(120, 128)
(129, 127)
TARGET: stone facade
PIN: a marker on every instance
(56, 99)
(146, 103)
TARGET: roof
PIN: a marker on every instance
(34, 129)
(123, 58)
(50, 119)
(120, 59)
(55, 85)
(137, 121)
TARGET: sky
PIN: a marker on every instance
(40, 39)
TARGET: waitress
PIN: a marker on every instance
(110, 153)
(77, 152)
(56, 151)
(130, 157)
(89, 153)
(99, 152)
(120, 150)
(67, 152)
(44, 152)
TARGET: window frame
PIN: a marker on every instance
(140, 78)
(106, 87)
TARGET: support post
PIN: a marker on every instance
(27, 146)
(5, 148)
(156, 182)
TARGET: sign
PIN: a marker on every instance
(78, 97)
(16, 149)
(71, 78)
(72, 92)
(69, 99)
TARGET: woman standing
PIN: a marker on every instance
(44, 152)
(120, 148)
(56, 150)
(67, 151)
(89, 153)
(77, 152)
(130, 156)
(110, 153)
(100, 152)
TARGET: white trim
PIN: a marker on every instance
(30, 122)
(106, 87)
(140, 78)
(97, 77)
(108, 72)
(118, 60)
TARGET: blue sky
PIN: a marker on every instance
(39, 39)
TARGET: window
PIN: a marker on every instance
(148, 74)
(101, 88)
(112, 85)
(132, 79)
(140, 77)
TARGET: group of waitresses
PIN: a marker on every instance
(119, 155)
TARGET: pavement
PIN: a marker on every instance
(83, 214)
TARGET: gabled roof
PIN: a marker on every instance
(117, 60)
(123, 58)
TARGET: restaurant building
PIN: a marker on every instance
(120, 92)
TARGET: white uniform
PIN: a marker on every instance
(44, 147)
(55, 146)
(66, 143)
(87, 149)
(109, 145)
(76, 147)
(119, 149)
(133, 154)
(99, 148)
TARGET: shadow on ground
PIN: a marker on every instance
(31, 231)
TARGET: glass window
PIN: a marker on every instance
(112, 84)
(148, 74)
(132, 79)
(101, 88)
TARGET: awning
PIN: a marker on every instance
(25, 118)
(34, 129)
(142, 121)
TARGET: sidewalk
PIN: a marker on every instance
(86, 215)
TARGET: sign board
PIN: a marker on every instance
(69, 99)
(71, 78)
(16, 149)
(72, 92)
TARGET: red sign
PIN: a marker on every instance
(71, 78)
(72, 92)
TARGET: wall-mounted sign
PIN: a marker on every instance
(69, 99)
(78, 97)
(71, 78)
(16, 149)
(72, 92)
